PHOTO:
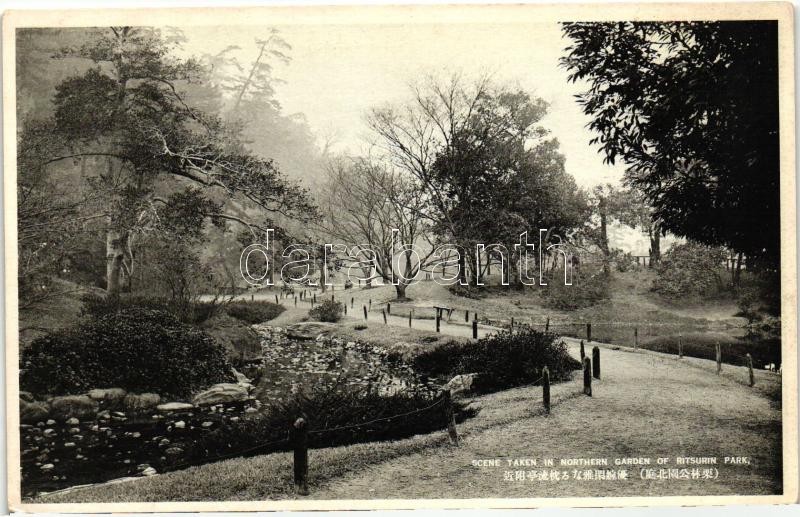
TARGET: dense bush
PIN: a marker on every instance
(586, 290)
(328, 310)
(140, 350)
(690, 270)
(254, 312)
(95, 306)
(503, 360)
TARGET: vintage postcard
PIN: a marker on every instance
(377, 257)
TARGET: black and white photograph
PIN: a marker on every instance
(362, 257)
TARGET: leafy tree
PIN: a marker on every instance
(690, 270)
(362, 205)
(692, 109)
(128, 109)
(482, 158)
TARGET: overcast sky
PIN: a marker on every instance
(338, 72)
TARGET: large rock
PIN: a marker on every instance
(140, 401)
(461, 383)
(223, 393)
(74, 405)
(107, 394)
(174, 406)
(309, 329)
(33, 412)
(27, 396)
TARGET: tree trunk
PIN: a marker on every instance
(400, 289)
(737, 273)
(604, 248)
(114, 255)
(462, 268)
(655, 245)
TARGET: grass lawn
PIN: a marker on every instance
(647, 405)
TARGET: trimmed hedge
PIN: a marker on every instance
(503, 360)
(140, 350)
(254, 312)
(96, 306)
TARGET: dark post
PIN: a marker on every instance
(596, 362)
(474, 329)
(587, 376)
(295, 301)
(512, 323)
(438, 316)
(252, 297)
(352, 300)
(466, 316)
(589, 332)
(750, 370)
(680, 346)
(365, 312)
(636, 337)
(314, 298)
(333, 298)
(410, 316)
(370, 304)
(719, 358)
(546, 389)
(547, 325)
(451, 419)
(583, 351)
(388, 308)
(299, 433)
(384, 316)
(345, 309)
(276, 300)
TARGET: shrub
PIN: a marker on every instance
(95, 306)
(690, 270)
(503, 360)
(137, 349)
(585, 291)
(254, 312)
(328, 310)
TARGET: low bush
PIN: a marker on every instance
(586, 289)
(690, 270)
(140, 350)
(503, 360)
(254, 312)
(328, 310)
(96, 306)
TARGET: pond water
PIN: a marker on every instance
(57, 454)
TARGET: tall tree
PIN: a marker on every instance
(692, 109)
(128, 108)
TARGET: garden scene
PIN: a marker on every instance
(426, 299)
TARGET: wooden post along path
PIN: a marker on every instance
(719, 357)
(750, 370)
(451, 418)
(587, 376)
(546, 389)
(299, 434)
(596, 362)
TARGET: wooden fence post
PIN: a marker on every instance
(299, 433)
(410, 316)
(365, 312)
(589, 332)
(547, 325)
(437, 320)
(546, 389)
(596, 362)
(587, 376)
(583, 351)
(333, 298)
(466, 316)
(370, 304)
(474, 329)
(252, 297)
(352, 301)
(680, 346)
(388, 308)
(512, 323)
(384, 316)
(276, 300)
(295, 301)
(635, 338)
(314, 298)
(451, 418)
(719, 358)
(750, 369)
(345, 309)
